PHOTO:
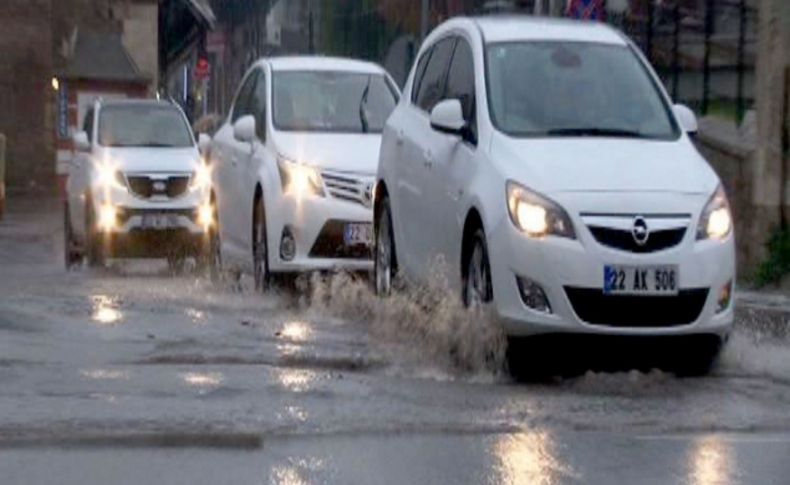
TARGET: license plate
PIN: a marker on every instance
(640, 280)
(159, 221)
(358, 233)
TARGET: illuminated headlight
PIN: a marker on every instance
(300, 180)
(536, 215)
(108, 216)
(201, 179)
(109, 177)
(716, 219)
(205, 216)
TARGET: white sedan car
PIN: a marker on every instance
(294, 167)
(137, 185)
(544, 162)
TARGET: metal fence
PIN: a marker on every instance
(704, 50)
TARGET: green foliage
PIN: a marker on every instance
(777, 265)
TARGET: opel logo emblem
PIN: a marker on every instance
(640, 231)
(160, 186)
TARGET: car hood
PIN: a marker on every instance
(358, 153)
(604, 165)
(144, 159)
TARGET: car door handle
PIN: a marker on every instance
(399, 137)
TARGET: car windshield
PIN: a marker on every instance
(331, 101)
(143, 126)
(545, 89)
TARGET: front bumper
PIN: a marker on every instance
(316, 225)
(570, 272)
(182, 214)
(151, 227)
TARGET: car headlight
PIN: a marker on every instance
(109, 177)
(716, 219)
(300, 180)
(536, 215)
(201, 179)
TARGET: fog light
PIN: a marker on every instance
(533, 295)
(725, 296)
(108, 216)
(287, 245)
(206, 216)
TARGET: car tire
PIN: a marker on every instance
(696, 359)
(210, 257)
(385, 261)
(477, 290)
(260, 252)
(94, 238)
(71, 256)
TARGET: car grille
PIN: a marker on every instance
(330, 244)
(624, 240)
(596, 308)
(349, 187)
(146, 186)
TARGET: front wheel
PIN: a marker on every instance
(94, 238)
(260, 248)
(384, 263)
(477, 289)
(71, 254)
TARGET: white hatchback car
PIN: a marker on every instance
(294, 166)
(543, 160)
(137, 186)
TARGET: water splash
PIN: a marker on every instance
(428, 321)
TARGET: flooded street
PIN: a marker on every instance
(135, 375)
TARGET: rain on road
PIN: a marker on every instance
(133, 375)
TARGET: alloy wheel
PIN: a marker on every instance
(384, 253)
(260, 258)
(477, 288)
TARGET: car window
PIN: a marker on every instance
(87, 125)
(331, 101)
(241, 106)
(432, 85)
(257, 106)
(419, 73)
(461, 81)
(143, 125)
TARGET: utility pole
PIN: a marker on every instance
(424, 19)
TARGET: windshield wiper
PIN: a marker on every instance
(592, 131)
(363, 118)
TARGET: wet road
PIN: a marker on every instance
(134, 375)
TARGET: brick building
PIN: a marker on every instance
(26, 110)
(37, 41)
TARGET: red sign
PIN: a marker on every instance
(202, 69)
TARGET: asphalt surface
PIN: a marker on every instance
(132, 374)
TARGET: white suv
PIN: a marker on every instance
(137, 185)
(544, 161)
(294, 166)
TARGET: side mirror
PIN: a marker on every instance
(81, 142)
(244, 129)
(204, 142)
(448, 117)
(686, 118)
